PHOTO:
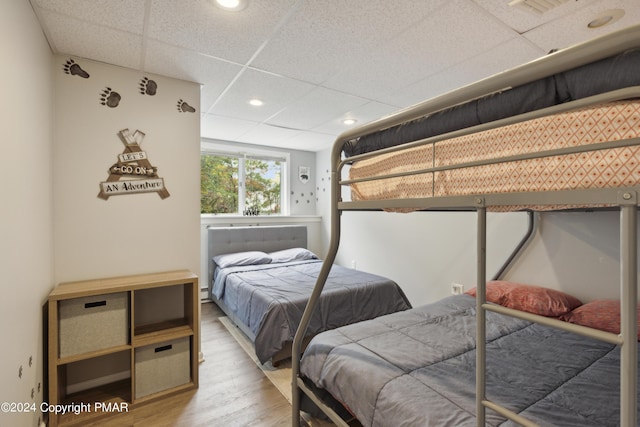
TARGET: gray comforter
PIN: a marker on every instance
(270, 299)
(417, 368)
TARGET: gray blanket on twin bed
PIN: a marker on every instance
(270, 299)
(417, 368)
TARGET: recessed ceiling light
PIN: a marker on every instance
(605, 18)
(256, 102)
(349, 121)
(232, 5)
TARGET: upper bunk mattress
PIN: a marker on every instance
(603, 168)
(616, 72)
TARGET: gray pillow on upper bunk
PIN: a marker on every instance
(602, 76)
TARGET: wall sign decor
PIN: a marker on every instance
(303, 173)
(132, 173)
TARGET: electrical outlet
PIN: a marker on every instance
(457, 289)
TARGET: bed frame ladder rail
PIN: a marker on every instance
(297, 384)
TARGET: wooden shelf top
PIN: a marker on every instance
(92, 354)
(120, 284)
(151, 337)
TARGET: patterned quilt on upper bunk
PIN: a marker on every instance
(417, 368)
(606, 168)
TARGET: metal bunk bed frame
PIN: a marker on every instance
(624, 198)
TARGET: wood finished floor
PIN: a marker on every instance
(233, 391)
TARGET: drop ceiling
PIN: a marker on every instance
(314, 63)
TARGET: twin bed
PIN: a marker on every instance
(262, 277)
(562, 132)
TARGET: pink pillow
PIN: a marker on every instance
(529, 298)
(598, 314)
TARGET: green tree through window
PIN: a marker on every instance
(218, 184)
(233, 185)
(262, 186)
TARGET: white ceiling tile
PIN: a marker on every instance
(363, 114)
(309, 141)
(316, 108)
(124, 15)
(265, 134)
(224, 128)
(200, 25)
(275, 91)
(323, 36)
(522, 21)
(189, 65)
(569, 30)
(440, 41)
(80, 38)
(215, 75)
(508, 55)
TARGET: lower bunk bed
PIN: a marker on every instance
(454, 363)
(417, 367)
(262, 277)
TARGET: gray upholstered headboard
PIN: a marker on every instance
(224, 240)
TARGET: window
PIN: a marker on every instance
(243, 184)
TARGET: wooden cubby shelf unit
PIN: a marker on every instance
(121, 341)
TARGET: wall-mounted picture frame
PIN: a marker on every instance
(304, 172)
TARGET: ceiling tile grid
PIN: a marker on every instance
(123, 15)
(572, 29)
(276, 92)
(81, 38)
(502, 57)
(215, 75)
(316, 108)
(522, 21)
(315, 62)
(324, 36)
(199, 25)
(362, 114)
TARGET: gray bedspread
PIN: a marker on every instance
(270, 299)
(417, 368)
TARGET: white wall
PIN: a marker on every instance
(426, 251)
(574, 251)
(26, 231)
(129, 233)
